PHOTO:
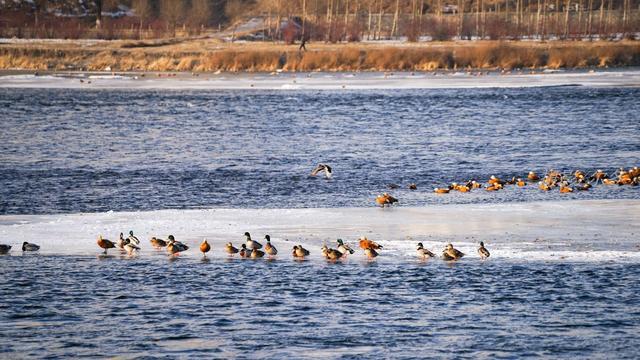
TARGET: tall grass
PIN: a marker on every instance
(484, 55)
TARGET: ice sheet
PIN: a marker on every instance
(600, 230)
(325, 81)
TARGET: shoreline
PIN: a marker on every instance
(572, 230)
(617, 77)
(207, 55)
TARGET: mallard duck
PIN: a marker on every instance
(328, 172)
(105, 244)
(424, 253)
(368, 244)
(205, 247)
(157, 243)
(533, 176)
(344, 248)
(132, 238)
(255, 254)
(331, 254)
(299, 251)
(4, 249)
(268, 248)
(252, 244)
(30, 247)
(121, 242)
(244, 252)
(450, 253)
(370, 253)
(175, 247)
(483, 252)
(231, 250)
(131, 248)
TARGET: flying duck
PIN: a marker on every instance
(320, 168)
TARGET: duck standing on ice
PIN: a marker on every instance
(450, 253)
(105, 244)
(268, 248)
(252, 244)
(30, 247)
(4, 249)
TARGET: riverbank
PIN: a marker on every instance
(211, 55)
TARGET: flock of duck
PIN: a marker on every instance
(252, 249)
(578, 181)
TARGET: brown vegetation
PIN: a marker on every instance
(480, 55)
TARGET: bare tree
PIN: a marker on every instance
(200, 13)
(143, 10)
(172, 11)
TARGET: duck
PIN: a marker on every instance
(494, 187)
(328, 172)
(131, 248)
(299, 251)
(385, 199)
(205, 247)
(231, 250)
(393, 186)
(450, 253)
(543, 186)
(533, 176)
(634, 172)
(252, 244)
(368, 244)
(132, 238)
(424, 253)
(495, 180)
(157, 243)
(344, 248)
(511, 181)
(521, 183)
(441, 190)
(105, 244)
(624, 178)
(609, 182)
(121, 242)
(461, 188)
(579, 175)
(175, 247)
(599, 175)
(30, 247)
(268, 248)
(370, 253)
(331, 254)
(256, 254)
(475, 184)
(483, 252)
(413, 187)
(4, 249)
(583, 187)
(244, 252)
(565, 189)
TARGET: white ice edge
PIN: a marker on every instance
(585, 230)
(323, 81)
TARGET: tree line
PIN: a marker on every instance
(326, 20)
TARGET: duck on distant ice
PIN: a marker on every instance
(423, 253)
(344, 248)
(30, 247)
(105, 244)
(450, 253)
(231, 250)
(268, 248)
(4, 249)
(483, 252)
(328, 173)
